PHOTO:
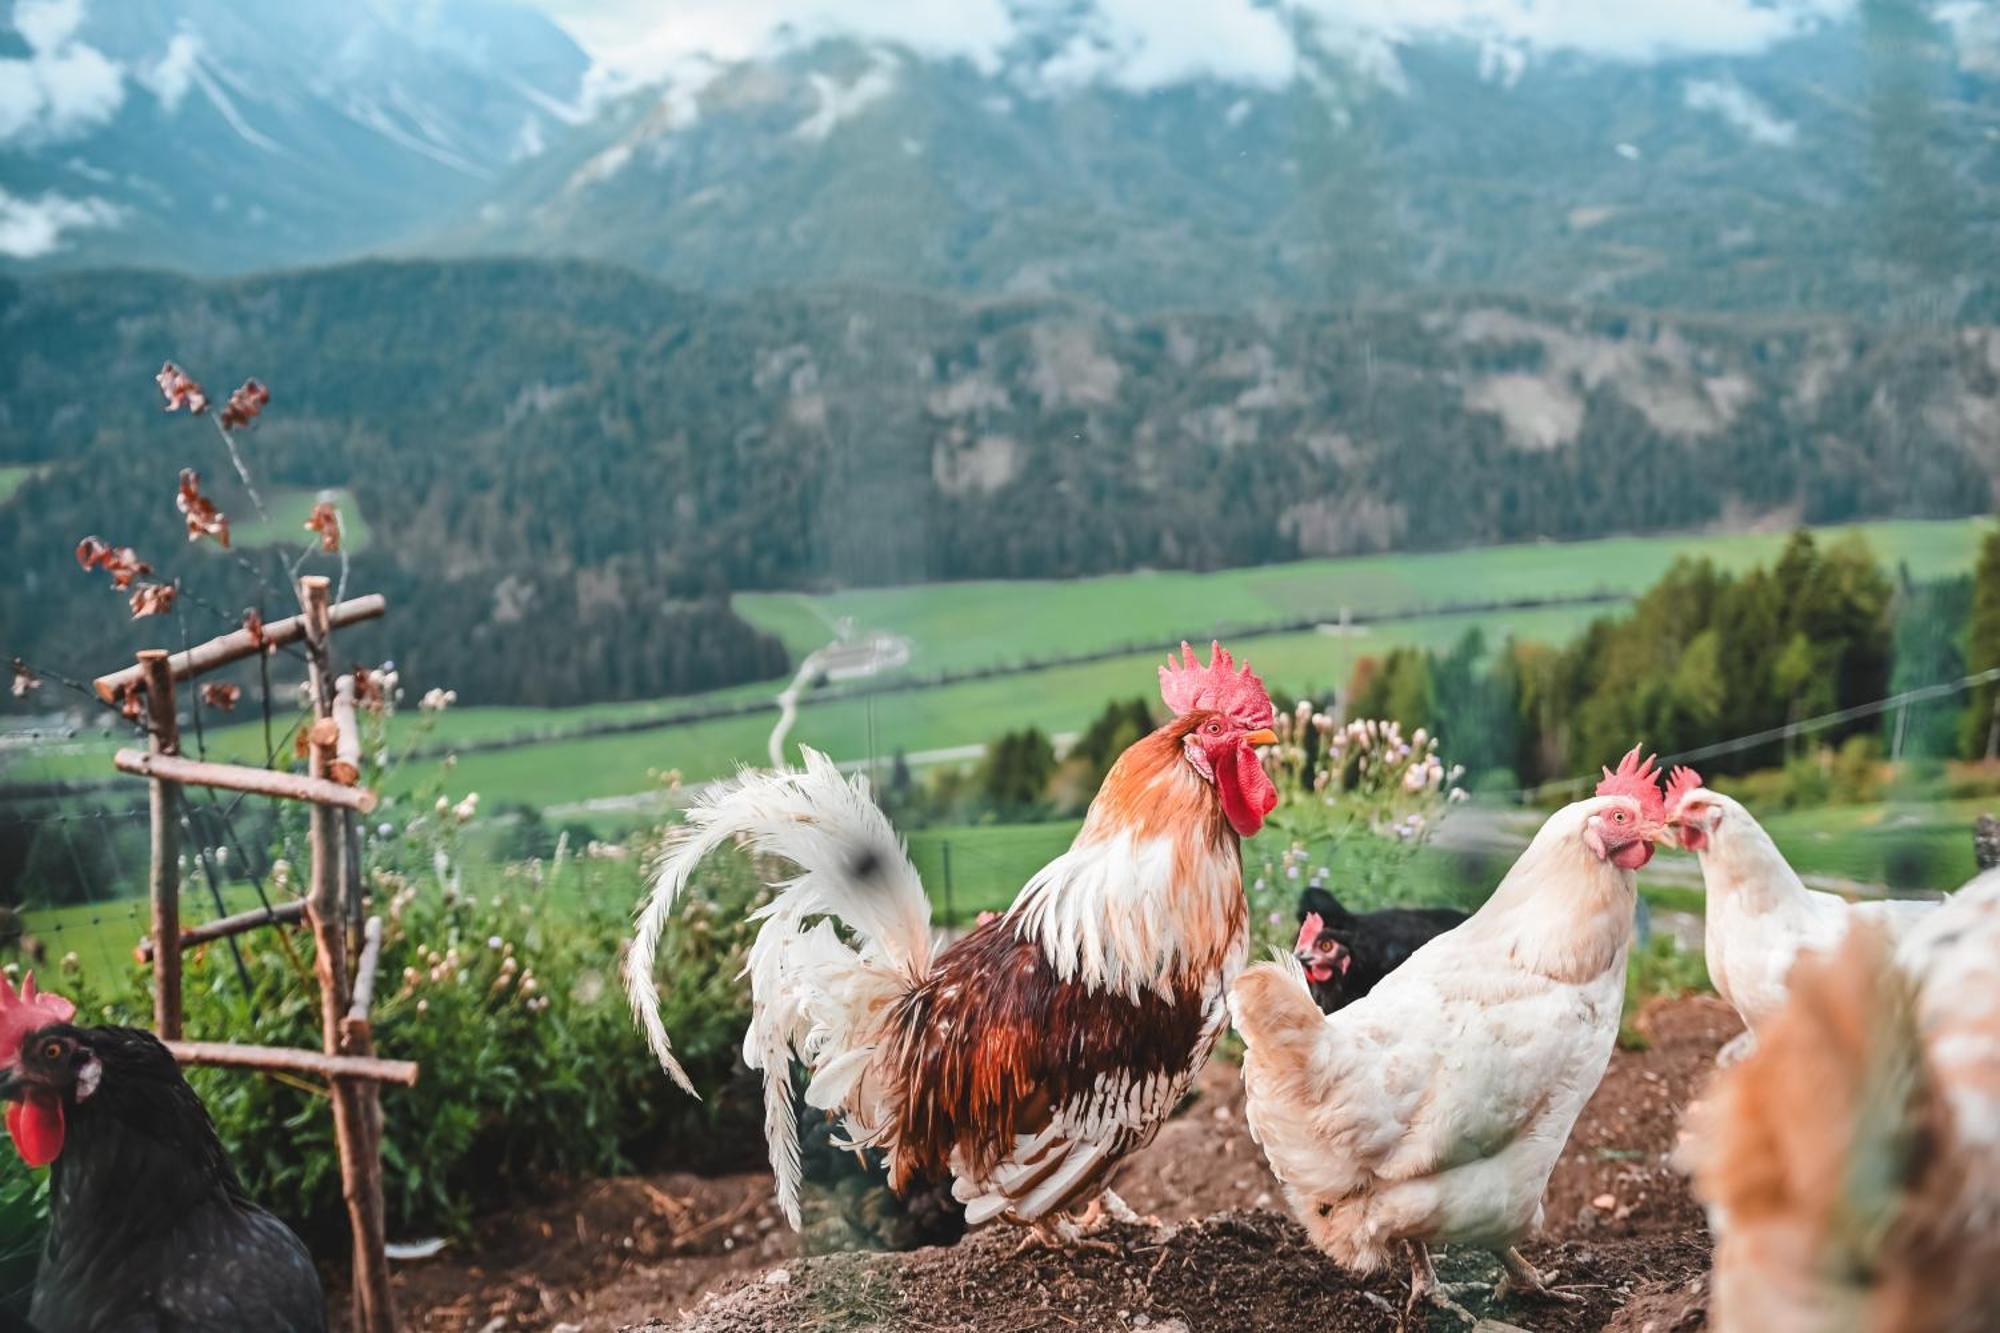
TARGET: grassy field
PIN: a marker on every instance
(953, 626)
(959, 626)
(973, 868)
(14, 475)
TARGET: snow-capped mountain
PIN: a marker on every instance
(218, 136)
(1775, 154)
(1848, 164)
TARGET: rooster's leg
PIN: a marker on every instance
(1523, 1277)
(1107, 1208)
(1425, 1289)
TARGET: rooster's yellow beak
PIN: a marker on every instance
(1266, 736)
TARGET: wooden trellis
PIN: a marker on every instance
(333, 906)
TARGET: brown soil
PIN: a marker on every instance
(712, 1255)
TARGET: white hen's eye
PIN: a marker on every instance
(1618, 816)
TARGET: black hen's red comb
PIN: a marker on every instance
(25, 1011)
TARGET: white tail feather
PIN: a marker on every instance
(812, 994)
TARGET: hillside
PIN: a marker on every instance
(578, 465)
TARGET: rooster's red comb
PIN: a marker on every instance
(1683, 781)
(1220, 687)
(1309, 930)
(1641, 781)
(24, 1012)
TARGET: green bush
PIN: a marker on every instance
(512, 1004)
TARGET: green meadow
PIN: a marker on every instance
(959, 627)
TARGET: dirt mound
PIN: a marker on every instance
(1248, 1272)
(1621, 1232)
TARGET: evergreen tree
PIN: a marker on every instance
(1980, 730)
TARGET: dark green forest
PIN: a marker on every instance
(1706, 656)
(570, 468)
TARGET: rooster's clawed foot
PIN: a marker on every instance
(1061, 1233)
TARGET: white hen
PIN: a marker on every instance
(1434, 1108)
(1760, 915)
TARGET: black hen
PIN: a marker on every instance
(848, 1202)
(149, 1229)
(1345, 953)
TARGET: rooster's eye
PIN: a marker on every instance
(1215, 728)
(52, 1050)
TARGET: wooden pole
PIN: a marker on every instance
(279, 914)
(239, 644)
(346, 767)
(242, 777)
(286, 1059)
(360, 1160)
(164, 881)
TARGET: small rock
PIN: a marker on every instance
(1604, 1203)
(778, 1277)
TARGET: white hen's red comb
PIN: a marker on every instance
(1640, 781)
(24, 1012)
(1683, 781)
(1220, 687)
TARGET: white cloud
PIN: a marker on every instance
(1628, 30)
(175, 73)
(30, 228)
(645, 40)
(47, 24)
(1127, 43)
(1146, 44)
(64, 87)
(1742, 110)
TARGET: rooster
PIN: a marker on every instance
(1434, 1108)
(1851, 1165)
(1025, 1061)
(1760, 916)
(148, 1227)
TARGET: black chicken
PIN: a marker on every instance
(1345, 953)
(149, 1229)
(848, 1202)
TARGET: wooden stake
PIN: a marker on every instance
(285, 1059)
(353, 1124)
(346, 767)
(238, 644)
(241, 777)
(164, 881)
(364, 971)
(278, 914)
